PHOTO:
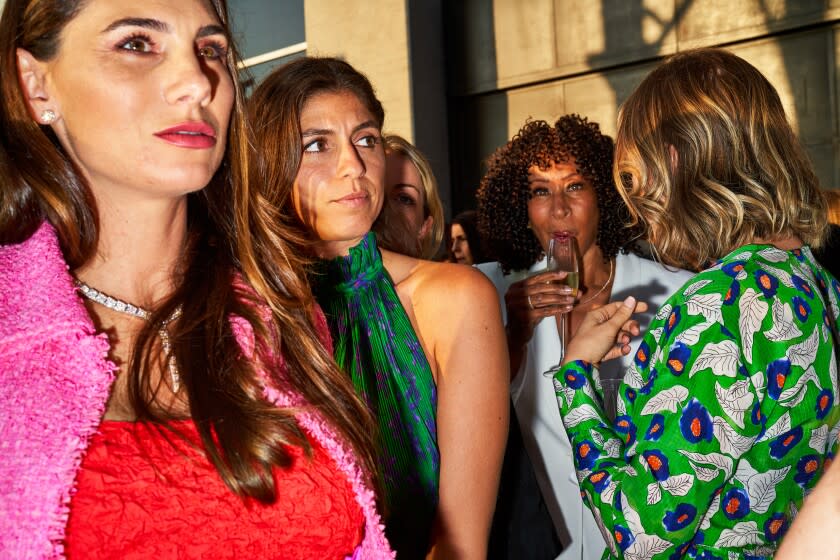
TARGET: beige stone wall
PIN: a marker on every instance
(544, 58)
(373, 37)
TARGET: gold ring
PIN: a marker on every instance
(530, 303)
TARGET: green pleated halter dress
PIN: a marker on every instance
(377, 346)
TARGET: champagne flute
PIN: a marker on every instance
(562, 256)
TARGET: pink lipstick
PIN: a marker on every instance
(194, 134)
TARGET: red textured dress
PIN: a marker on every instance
(145, 493)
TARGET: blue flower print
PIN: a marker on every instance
(645, 389)
(824, 401)
(775, 527)
(801, 308)
(777, 373)
(658, 464)
(798, 254)
(673, 320)
(678, 357)
(600, 480)
(734, 268)
(802, 286)
(586, 453)
(767, 283)
(630, 394)
(735, 504)
(625, 426)
(657, 426)
(806, 469)
(642, 355)
(682, 516)
(695, 422)
(782, 444)
(574, 379)
(732, 293)
(623, 537)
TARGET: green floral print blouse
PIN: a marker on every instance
(726, 418)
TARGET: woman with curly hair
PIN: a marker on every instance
(553, 181)
(728, 414)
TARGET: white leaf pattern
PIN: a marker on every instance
(608, 492)
(663, 312)
(634, 523)
(713, 509)
(804, 353)
(669, 399)
(691, 335)
(772, 254)
(741, 534)
(690, 290)
(657, 333)
(612, 448)
(793, 396)
(707, 305)
(633, 378)
(580, 414)
(646, 547)
(721, 357)
(715, 459)
(761, 488)
(819, 437)
(832, 375)
(783, 326)
(735, 400)
(654, 493)
(731, 442)
(781, 426)
(753, 310)
(758, 381)
(704, 474)
(596, 437)
(678, 485)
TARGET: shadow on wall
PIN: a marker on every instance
(635, 37)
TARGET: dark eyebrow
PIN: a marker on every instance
(366, 124)
(148, 23)
(316, 132)
(326, 131)
(208, 30)
(161, 26)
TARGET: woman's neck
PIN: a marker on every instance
(138, 251)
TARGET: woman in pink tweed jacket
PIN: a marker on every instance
(123, 171)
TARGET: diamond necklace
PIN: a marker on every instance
(604, 287)
(122, 307)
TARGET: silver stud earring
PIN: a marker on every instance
(48, 116)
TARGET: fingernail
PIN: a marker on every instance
(630, 302)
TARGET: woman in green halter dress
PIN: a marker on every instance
(423, 342)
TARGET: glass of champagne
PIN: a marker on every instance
(562, 256)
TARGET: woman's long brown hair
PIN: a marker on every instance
(238, 263)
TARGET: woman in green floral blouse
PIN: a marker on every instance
(728, 415)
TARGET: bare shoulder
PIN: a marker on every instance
(449, 283)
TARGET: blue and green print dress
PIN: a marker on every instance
(726, 419)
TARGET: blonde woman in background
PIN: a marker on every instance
(411, 220)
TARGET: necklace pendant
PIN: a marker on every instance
(126, 308)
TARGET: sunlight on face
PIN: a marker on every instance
(143, 96)
(339, 187)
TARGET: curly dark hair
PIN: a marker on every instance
(503, 194)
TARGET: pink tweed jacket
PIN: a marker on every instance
(54, 381)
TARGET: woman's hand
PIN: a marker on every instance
(605, 332)
(531, 300)
(528, 302)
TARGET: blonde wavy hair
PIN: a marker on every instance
(392, 236)
(707, 161)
